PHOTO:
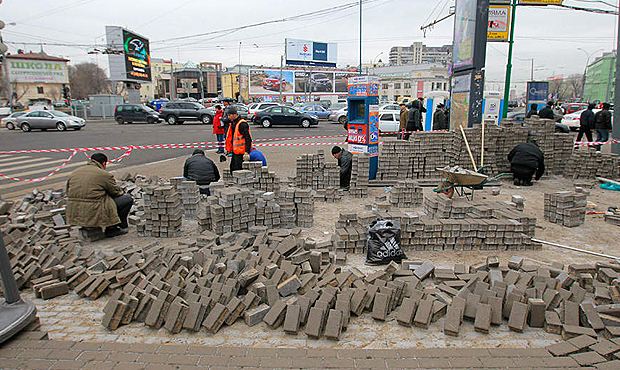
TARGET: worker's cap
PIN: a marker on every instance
(232, 110)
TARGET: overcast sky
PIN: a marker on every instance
(551, 36)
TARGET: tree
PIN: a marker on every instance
(87, 79)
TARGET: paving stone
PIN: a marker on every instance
(215, 319)
(275, 317)
(334, 324)
(422, 318)
(482, 322)
(380, 307)
(588, 358)
(292, 319)
(518, 317)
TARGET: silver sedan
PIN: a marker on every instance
(44, 120)
(11, 121)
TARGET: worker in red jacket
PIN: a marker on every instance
(218, 128)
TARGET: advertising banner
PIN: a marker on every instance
(363, 86)
(540, 2)
(373, 125)
(358, 133)
(420, 89)
(464, 34)
(267, 81)
(306, 52)
(340, 83)
(358, 148)
(137, 56)
(537, 92)
(499, 23)
(27, 70)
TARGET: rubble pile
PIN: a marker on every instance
(566, 208)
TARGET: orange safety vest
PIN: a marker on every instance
(235, 142)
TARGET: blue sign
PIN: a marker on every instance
(319, 51)
(537, 91)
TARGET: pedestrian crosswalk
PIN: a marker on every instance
(30, 167)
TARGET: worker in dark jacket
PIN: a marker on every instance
(533, 111)
(440, 121)
(414, 119)
(547, 112)
(201, 169)
(345, 162)
(586, 123)
(526, 160)
(602, 124)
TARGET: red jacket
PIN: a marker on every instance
(218, 125)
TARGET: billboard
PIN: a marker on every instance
(537, 92)
(499, 23)
(540, 2)
(470, 32)
(44, 71)
(306, 52)
(267, 82)
(132, 60)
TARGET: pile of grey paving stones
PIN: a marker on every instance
(566, 208)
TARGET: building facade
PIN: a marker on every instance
(418, 53)
(408, 82)
(600, 79)
(160, 86)
(37, 77)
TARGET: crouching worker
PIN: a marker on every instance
(526, 160)
(201, 169)
(345, 162)
(95, 200)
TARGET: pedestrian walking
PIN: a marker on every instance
(414, 119)
(547, 111)
(404, 114)
(533, 111)
(439, 118)
(586, 123)
(218, 128)
(238, 140)
(602, 124)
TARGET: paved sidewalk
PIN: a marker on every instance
(30, 350)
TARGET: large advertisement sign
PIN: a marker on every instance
(464, 34)
(540, 2)
(267, 82)
(306, 52)
(499, 23)
(537, 92)
(363, 86)
(132, 58)
(137, 56)
(27, 70)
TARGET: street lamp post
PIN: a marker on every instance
(372, 61)
(585, 69)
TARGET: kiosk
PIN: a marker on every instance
(363, 118)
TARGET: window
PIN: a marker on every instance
(39, 89)
(289, 110)
(407, 85)
(385, 86)
(387, 117)
(275, 110)
(397, 85)
(119, 108)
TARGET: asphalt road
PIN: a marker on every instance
(108, 133)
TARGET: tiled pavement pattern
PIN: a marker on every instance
(30, 350)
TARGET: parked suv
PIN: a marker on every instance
(177, 112)
(129, 113)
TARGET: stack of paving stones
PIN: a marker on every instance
(562, 150)
(304, 207)
(288, 210)
(229, 209)
(265, 180)
(512, 133)
(359, 176)
(267, 210)
(566, 208)
(612, 219)
(542, 131)
(309, 171)
(407, 194)
(330, 195)
(587, 163)
(350, 234)
(491, 148)
(163, 212)
(190, 195)
(394, 160)
(429, 151)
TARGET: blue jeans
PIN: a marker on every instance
(220, 143)
(601, 136)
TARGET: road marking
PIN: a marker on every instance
(58, 175)
(13, 157)
(39, 164)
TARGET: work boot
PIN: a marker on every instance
(517, 182)
(113, 231)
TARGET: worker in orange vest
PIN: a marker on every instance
(238, 140)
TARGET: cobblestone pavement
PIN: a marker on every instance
(28, 351)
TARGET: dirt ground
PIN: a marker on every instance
(72, 318)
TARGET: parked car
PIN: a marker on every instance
(242, 110)
(273, 84)
(130, 113)
(177, 112)
(5, 111)
(389, 108)
(284, 116)
(339, 116)
(320, 82)
(10, 122)
(253, 108)
(573, 107)
(520, 117)
(49, 119)
(389, 122)
(316, 110)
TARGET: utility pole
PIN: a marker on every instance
(280, 84)
(532, 71)
(360, 69)
(511, 41)
(5, 69)
(615, 148)
(239, 73)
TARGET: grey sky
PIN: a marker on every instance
(549, 35)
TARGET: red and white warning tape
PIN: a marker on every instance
(594, 143)
(39, 179)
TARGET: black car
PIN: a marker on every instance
(129, 113)
(282, 115)
(242, 110)
(177, 112)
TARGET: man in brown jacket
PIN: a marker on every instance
(404, 115)
(95, 200)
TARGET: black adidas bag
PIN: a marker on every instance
(383, 243)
